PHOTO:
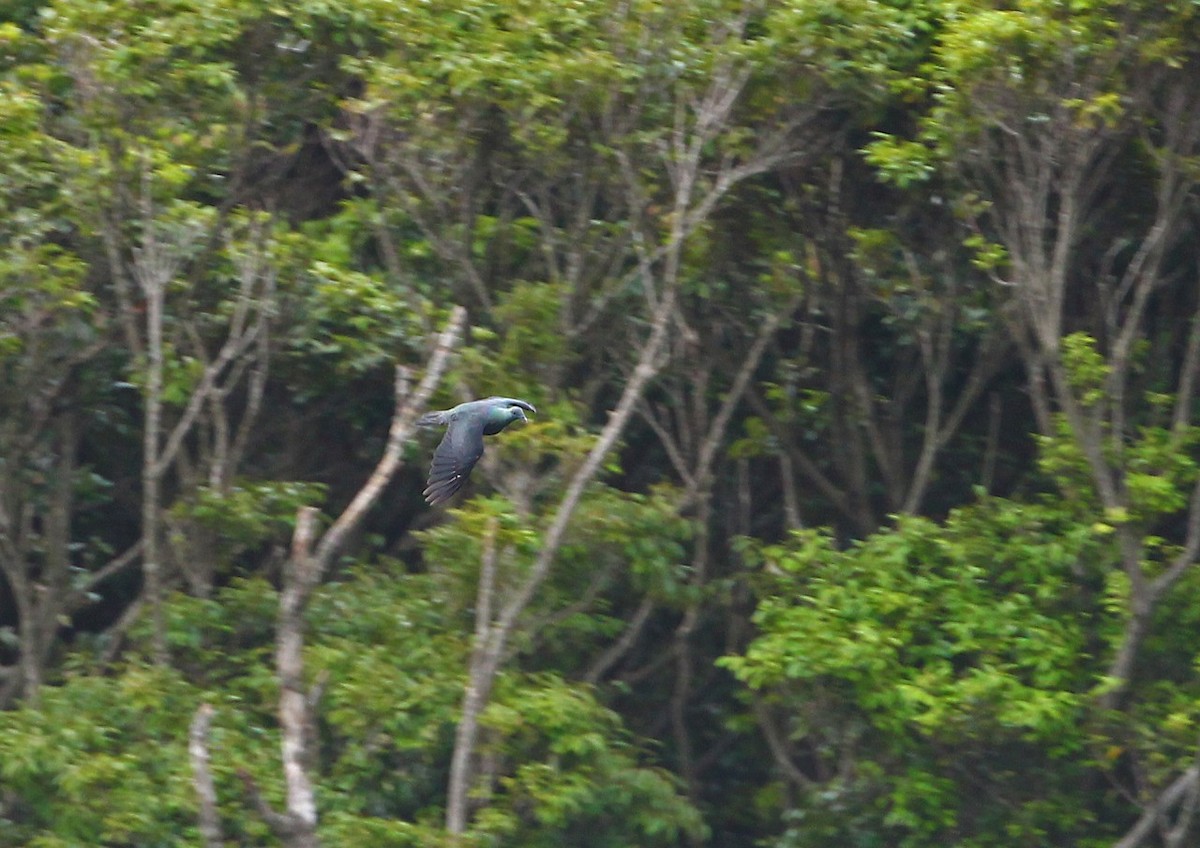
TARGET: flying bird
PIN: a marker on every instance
(461, 447)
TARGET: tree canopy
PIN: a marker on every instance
(861, 506)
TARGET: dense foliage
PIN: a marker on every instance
(862, 502)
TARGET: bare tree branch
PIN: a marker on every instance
(777, 744)
(281, 824)
(1181, 789)
(617, 650)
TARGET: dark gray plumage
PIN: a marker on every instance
(461, 447)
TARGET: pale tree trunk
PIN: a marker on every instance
(156, 261)
(301, 575)
(488, 656)
(151, 468)
(478, 689)
(206, 792)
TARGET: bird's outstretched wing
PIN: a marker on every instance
(454, 458)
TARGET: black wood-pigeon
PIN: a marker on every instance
(461, 447)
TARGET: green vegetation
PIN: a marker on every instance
(862, 503)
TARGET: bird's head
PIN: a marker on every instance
(501, 412)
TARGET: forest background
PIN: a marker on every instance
(863, 497)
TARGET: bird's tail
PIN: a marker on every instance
(432, 419)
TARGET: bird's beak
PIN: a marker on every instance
(521, 415)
